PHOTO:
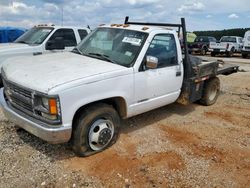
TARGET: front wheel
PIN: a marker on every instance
(204, 51)
(244, 55)
(96, 129)
(230, 53)
(211, 92)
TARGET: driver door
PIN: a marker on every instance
(159, 86)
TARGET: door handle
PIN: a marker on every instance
(178, 73)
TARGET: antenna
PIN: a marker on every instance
(62, 16)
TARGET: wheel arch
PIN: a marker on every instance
(118, 103)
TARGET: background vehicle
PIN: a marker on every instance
(201, 44)
(43, 39)
(246, 45)
(190, 39)
(118, 71)
(9, 34)
(228, 45)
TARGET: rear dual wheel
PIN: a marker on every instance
(96, 129)
(211, 91)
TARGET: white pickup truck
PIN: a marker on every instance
(43, 39)
(246, 45)
(117, 71)
(228, 45)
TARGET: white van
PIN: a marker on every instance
(246, 45)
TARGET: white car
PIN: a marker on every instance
(117, 71)
(246, 45)
(43, 39)
(228, 45)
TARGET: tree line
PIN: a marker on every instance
(226, 32)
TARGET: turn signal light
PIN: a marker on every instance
(53, 106)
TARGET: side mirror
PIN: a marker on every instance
(151, 62)
(56, 44)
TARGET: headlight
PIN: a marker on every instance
(45, 102)
(51, 105)
(48, 107)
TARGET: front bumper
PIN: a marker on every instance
(218, 50)
(48, 133)
(245, 51)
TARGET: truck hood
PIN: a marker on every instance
(45, 72)
(12, 47)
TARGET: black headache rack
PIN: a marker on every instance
(196, 71)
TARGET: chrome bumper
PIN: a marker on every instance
(217, 50)
(48, 133)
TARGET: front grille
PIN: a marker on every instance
(18, 97)
(21, 99)
(247, 48)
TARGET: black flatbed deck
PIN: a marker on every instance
(203, 68)
(227, 69)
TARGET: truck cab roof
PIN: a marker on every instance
(140, 28)
(59, 27)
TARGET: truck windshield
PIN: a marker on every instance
(228, 39)
(116, 45)
(36, 35)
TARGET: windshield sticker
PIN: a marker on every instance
(131, 40)
(127, 53)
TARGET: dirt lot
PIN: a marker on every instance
(174, 146)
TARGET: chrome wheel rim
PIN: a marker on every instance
(100, 134)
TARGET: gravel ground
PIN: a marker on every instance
(174, 146)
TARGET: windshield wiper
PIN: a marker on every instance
(76, 50)
(102, 56)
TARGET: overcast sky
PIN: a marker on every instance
(199, 14)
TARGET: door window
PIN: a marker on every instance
(83, 33)
(163, 47)
(67, 35)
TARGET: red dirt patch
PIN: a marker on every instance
(113, 168)
(180, 136)
(193, 142)
(234, 162)
(226, 116)
(236, 118)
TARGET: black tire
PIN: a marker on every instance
(230, 53)
(204, 51)
(244, 55)
(213, 54)
(211, 91)
(81, 144)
